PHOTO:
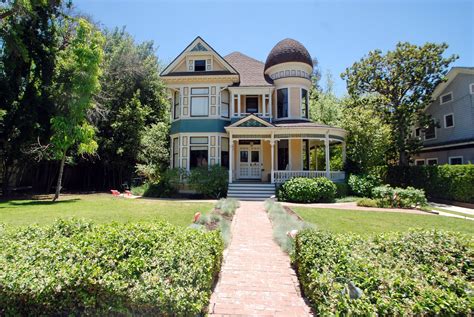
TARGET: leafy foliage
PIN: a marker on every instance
(402, 81)
(367, 202)
(307, 190)
(77, 268)
(362, 185)
(388, 197)
(210, 181)
(154, 152)
(414, 273)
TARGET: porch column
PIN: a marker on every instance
(238, 105)
(263, 104)
(270, 105)
(272, 146)
(326, 145)
(231, 158)
(232, 100)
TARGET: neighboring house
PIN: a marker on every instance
(247, 116)
(453, 109)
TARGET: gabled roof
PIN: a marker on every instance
(251, 121)
(250, 70)
(197, 45)
(453, 72)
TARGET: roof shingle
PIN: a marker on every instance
(251, 70)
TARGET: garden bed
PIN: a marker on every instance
(80, 268)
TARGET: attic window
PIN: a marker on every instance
(200, 65)
(446, 98)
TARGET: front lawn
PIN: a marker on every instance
(99, 208)
(372, 222)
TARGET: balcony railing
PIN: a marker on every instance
(282, 176)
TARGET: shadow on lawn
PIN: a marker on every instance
(38, 202)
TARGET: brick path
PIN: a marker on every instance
(256, 276)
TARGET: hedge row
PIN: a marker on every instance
(78, 268)
(450, 182)
(425, 273)
(307, 190)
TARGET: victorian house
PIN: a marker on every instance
(248, 116)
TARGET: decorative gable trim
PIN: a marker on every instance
(197, 46)
(251, 121)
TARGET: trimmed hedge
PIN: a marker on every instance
(388, 197)
(425, 273)
(449, 182)
(362, 185)
(307, 190)
(79, 268)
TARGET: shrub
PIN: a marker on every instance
(367, 202)
(78, 268)
(362, 185)
(424, 273)
(166, 185)
(342, 190)
(227, 205)
(388, 197)
(307, 190)
(211, 182)
(449, 182)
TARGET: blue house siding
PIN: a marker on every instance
(198, 125)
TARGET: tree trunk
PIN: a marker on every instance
(60, 176)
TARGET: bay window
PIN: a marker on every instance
(282, 103)
(198, 152)
(199, 102)
(304, 103)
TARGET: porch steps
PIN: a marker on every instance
(251, 191)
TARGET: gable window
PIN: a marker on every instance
(432, 161)
(176, 105)
(282, 103)
(446, 98)
(420, 162)
(251, 104)
(430, 133)
(198, 152)
(199, 102)
(449, 120)
(304, 103)
(225, 152)
(455, 160)
(283, 155)
(200, 65)
(175, 152)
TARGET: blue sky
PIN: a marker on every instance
(337, 33)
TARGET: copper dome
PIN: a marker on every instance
(288, 50)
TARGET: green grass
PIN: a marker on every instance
(452, 212)
(99, 208)
(372, 222)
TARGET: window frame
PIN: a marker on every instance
(433, 138)
(247, 97)
(431, 159)
(420, 160)
(287, 155)
(176, 114)
(306, 108)
(227, 161)
(471, 88)
(196, 96)
(443, 95)
(200, 60)
(175, 154)
(287, 103)
(227, 104)
(445, 123)
(418, 132)
(456, 157)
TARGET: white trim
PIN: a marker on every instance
(456, 157)
(448, 114)
(435, 133)
(447, 145)
(420, 160)
(247, 118)
(431, 159)
(471, 89)
(446, 94)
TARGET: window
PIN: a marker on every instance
(304, 103)
(432, 161)
(198, 152)
(199, 102)
(418, 132)
(471, 88)
(430, 133)
(251, 104)
(455, 160)
(199, 65)
(225, 104)
(419, 162)
(283, 155)
(449, 120)
(225, 152)
(282, 103)
(306, 155)
(175, 152)
(446, 98)
(244, 156)
(176, 104)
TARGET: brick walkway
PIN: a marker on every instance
(256, 276)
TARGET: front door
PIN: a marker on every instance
(250, 162)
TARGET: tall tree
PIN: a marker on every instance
(403, 81)
(324, 106)
(76, 81)
(28, 47)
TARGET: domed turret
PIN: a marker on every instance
(288, 50)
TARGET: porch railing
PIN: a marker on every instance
(282, 176)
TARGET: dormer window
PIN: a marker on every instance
(446, 98)
(200, 65)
